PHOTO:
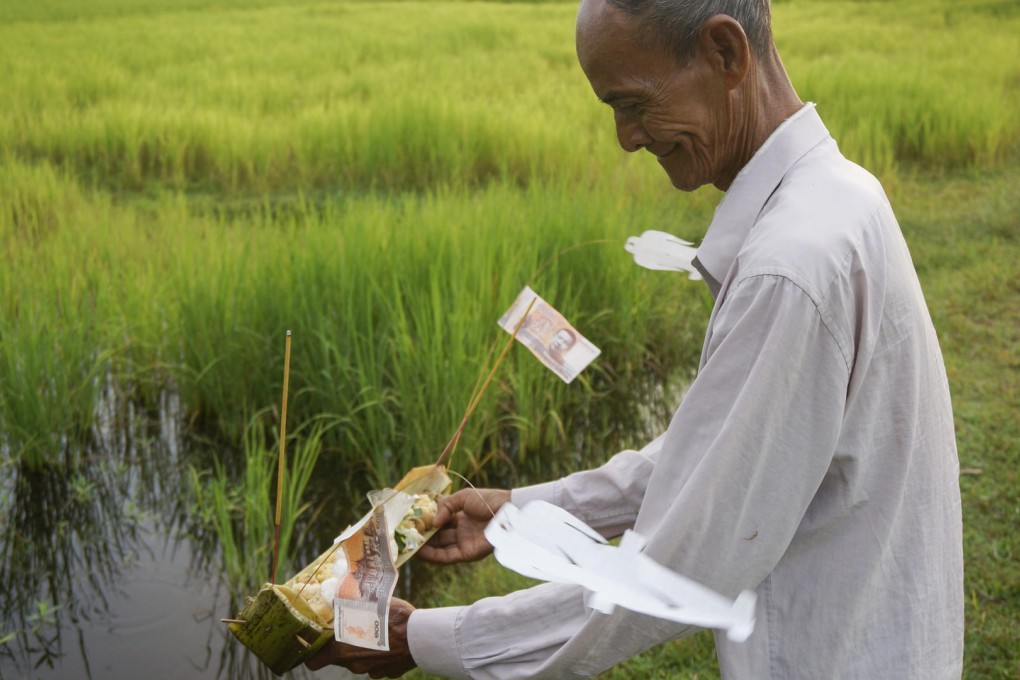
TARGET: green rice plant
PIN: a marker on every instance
(454, 282)
(241, 510)
(46, 408)
(192, 291)
(407, 95)
(68, 316)
(908, 84)
(393, 305)
(99, 117)
(181, 183)
(49, 391)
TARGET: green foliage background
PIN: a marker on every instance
(180, 182)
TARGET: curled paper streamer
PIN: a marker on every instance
(665, 252)
(545, 542)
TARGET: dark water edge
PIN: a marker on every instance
(104, 572)
(159, 618)
(107, 570)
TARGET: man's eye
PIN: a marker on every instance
(628, 109)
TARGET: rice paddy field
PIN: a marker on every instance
(183, 181)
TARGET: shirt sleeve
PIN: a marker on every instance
(607, 498)
(719, 497)
(497, 638)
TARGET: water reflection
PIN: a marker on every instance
(104, 571)
(65, 541)
(108, 570)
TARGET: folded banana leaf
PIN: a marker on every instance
(282, 626)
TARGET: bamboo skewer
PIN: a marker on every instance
(477, 398)
(283, 458)
(278, 624)
(472, 405)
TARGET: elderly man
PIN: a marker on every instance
(813, 458)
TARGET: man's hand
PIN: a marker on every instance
(462, 518)
(377, 664)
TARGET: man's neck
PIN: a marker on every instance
(762, 104)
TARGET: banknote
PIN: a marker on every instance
(362, 604)
(549, 336)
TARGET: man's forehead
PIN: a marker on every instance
(602, 28)
(598, 19)
(611, 48)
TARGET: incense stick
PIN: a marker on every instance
(283, 457)
(477, 398)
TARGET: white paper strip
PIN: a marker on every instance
(545, 542)
(665, 252)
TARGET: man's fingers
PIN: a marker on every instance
(324, 657)
(441, 540)
(472, 504)
(441, 517)
(448, 508)
(347, 658)
(376, 670)
(317, 662)
(442, 555)
(376, 663)
(344, 654)
(444, 538)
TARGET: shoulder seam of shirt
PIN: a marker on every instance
(813, 298)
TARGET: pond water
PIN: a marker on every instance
(107, 572)
(102, 573)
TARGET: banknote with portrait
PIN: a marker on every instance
(549, 336)
(362, 603)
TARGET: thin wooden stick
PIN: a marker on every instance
(477, 398)
(283, 457)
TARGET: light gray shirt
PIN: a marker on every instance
(813, 458)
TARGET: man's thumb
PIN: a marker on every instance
(444, 511)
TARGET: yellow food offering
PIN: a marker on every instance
(285, 624)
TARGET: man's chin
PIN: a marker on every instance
(682, 180)
(687, 184)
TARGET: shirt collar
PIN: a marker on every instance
(751, 188)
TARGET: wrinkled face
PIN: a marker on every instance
(681, 115)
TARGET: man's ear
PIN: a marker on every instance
(726, 48)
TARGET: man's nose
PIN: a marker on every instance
(631, 133)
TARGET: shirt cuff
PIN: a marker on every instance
(547, 491)
(432, 640)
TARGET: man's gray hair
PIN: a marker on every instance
(675, 23)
